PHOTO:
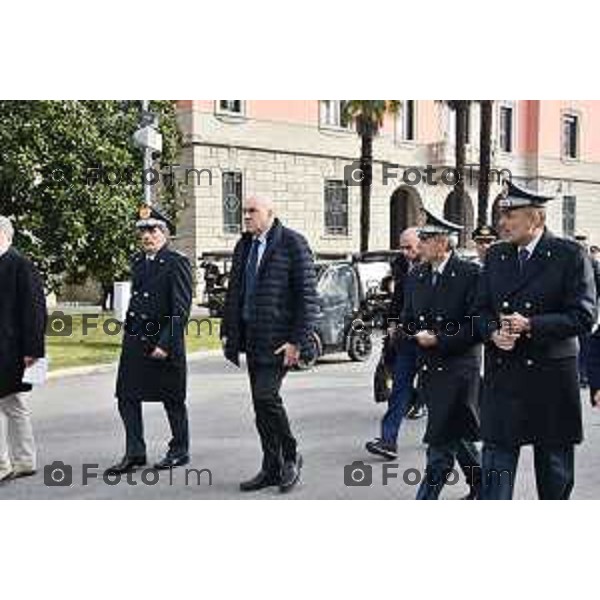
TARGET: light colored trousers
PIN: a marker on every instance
(17, 446)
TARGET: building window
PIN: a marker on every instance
(232, 202)
(332, 114)
(505, 128)
(231, 106)
(570, 135)
(336, 208)
(406, 121)
(568, 216)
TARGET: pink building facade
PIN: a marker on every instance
(299, 152)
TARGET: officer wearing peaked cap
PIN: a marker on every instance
(152, 367)
(483, 236)
(437, 309)
(536, 296)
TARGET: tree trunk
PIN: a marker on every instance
(460, 150)
(366, 163)
(485, 156)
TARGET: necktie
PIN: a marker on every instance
(435, 275)
(523, 256)
(250, 280)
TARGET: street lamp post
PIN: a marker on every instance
(149, 139)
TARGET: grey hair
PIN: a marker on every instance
(7, 227)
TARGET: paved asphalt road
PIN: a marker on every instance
(331, 410)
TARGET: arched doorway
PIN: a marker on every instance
(461, 213)
(405, 211)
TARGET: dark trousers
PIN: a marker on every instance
(405, 369)
(554, 471)
(131, 415)
(278, 443)
(440, 462)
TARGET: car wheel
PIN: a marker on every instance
(360, 346)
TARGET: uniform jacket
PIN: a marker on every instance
(161, 297)
(531, 394)
(448, 372)
(22, 319)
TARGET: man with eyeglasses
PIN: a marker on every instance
(153, 365)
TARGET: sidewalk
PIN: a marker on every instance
(107, 367)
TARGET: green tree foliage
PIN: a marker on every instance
(71, 180)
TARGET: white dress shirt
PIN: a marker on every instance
(262, 246)
(532, 244)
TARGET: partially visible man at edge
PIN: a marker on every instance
(22, 326)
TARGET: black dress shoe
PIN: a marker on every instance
(127, 464)
(7, 477)
(260, 481)
(170, 462)
(290, 474)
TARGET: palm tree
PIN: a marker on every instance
(461, 110)
(485, 155)
(368, 116)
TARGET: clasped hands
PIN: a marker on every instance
(511, 328)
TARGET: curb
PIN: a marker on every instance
(107, 367)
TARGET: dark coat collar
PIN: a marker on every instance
(273, 240)
(275, 231)
(536, 264)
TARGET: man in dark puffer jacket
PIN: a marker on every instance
(270, 312)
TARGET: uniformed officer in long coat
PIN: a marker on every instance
(153, 367)
(437, 311)
(536, 296)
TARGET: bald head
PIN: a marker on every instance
(259, 214)
(409, 243)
